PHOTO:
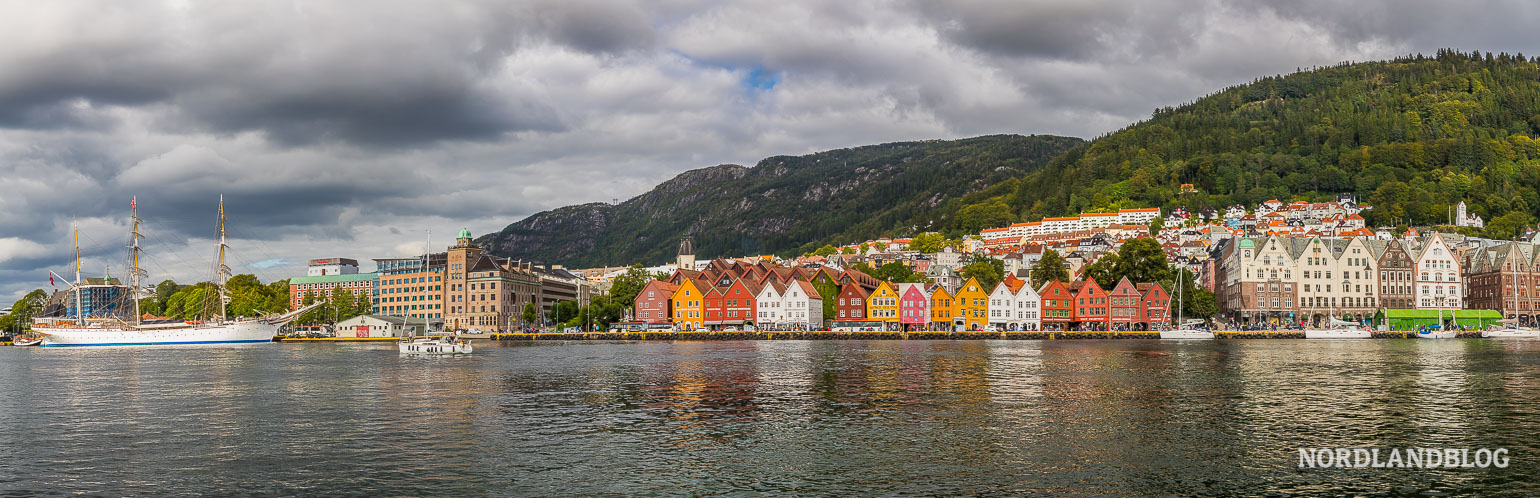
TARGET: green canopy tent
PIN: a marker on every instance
(1415, 319)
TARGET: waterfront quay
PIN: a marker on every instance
(801, 335)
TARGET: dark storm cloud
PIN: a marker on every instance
(596, 26)
(347, 128)
(382, 73)
(1059, 30)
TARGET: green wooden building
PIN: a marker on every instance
(1415, 319)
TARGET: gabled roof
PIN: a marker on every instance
(859, 290)
(774, 286)
(1147, 288)
(662, 286)
(808, 289)
(1124, 286)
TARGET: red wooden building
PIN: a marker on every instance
(652, 303)
(1090, 303)
(1123, 306)
(851, 305)
(1058, 305)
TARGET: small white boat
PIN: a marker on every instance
(1436, 334)
(1340, 329)
(1186, 334)
(27, 342)
(1337, 333)
(1510, 331)
(1185, 329)
(1188, 330)
(435, 346)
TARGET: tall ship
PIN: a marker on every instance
(82, 329)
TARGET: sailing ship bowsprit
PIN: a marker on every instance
(82, 330)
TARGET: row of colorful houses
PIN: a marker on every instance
(728, 295)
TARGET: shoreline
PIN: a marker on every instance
(826, 335)
(1036, 335)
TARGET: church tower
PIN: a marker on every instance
(686, 259)
(460, 258)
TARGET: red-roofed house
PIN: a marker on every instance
(1090, 305)
(652, 303)
(851, 305)
(1123, 305)
(1155, 306)
(913, 307)
(1058, 305)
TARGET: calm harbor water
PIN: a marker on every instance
(821, 417)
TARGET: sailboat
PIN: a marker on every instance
(1185, 329)
(426, 345)
(1337, 329)
(1509, 328)
(83, 330)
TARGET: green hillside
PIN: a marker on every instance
(1411, 137)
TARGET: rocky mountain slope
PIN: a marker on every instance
(784, 204)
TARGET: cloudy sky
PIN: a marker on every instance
(342, 128)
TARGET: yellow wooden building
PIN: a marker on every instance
(972, 305)
(689, 306)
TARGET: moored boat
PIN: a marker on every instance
(435, 346)
(1337, 333)
(1436, 334)
(1339, 329)
(1510, 329)
(1186, 329)
(1186, 333)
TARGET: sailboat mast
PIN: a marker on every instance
(1181, 318)
(134, 271)
(1515, 279)
(80, 311)
(224, 271)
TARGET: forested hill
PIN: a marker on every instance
(785, 204)
(1410, 136)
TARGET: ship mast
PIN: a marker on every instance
(79, 309)
(134, 271)
(223, 272)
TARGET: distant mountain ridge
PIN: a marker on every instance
(784, 203)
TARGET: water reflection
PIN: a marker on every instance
(783, 417)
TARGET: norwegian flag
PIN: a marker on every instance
(50, 280)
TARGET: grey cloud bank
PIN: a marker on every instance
(348, 128)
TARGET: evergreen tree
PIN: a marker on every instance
(1050, 267)
(988, 271)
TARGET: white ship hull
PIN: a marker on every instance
(1186, 334)
(1336, 334)
(1437, 334)
(230, 333)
